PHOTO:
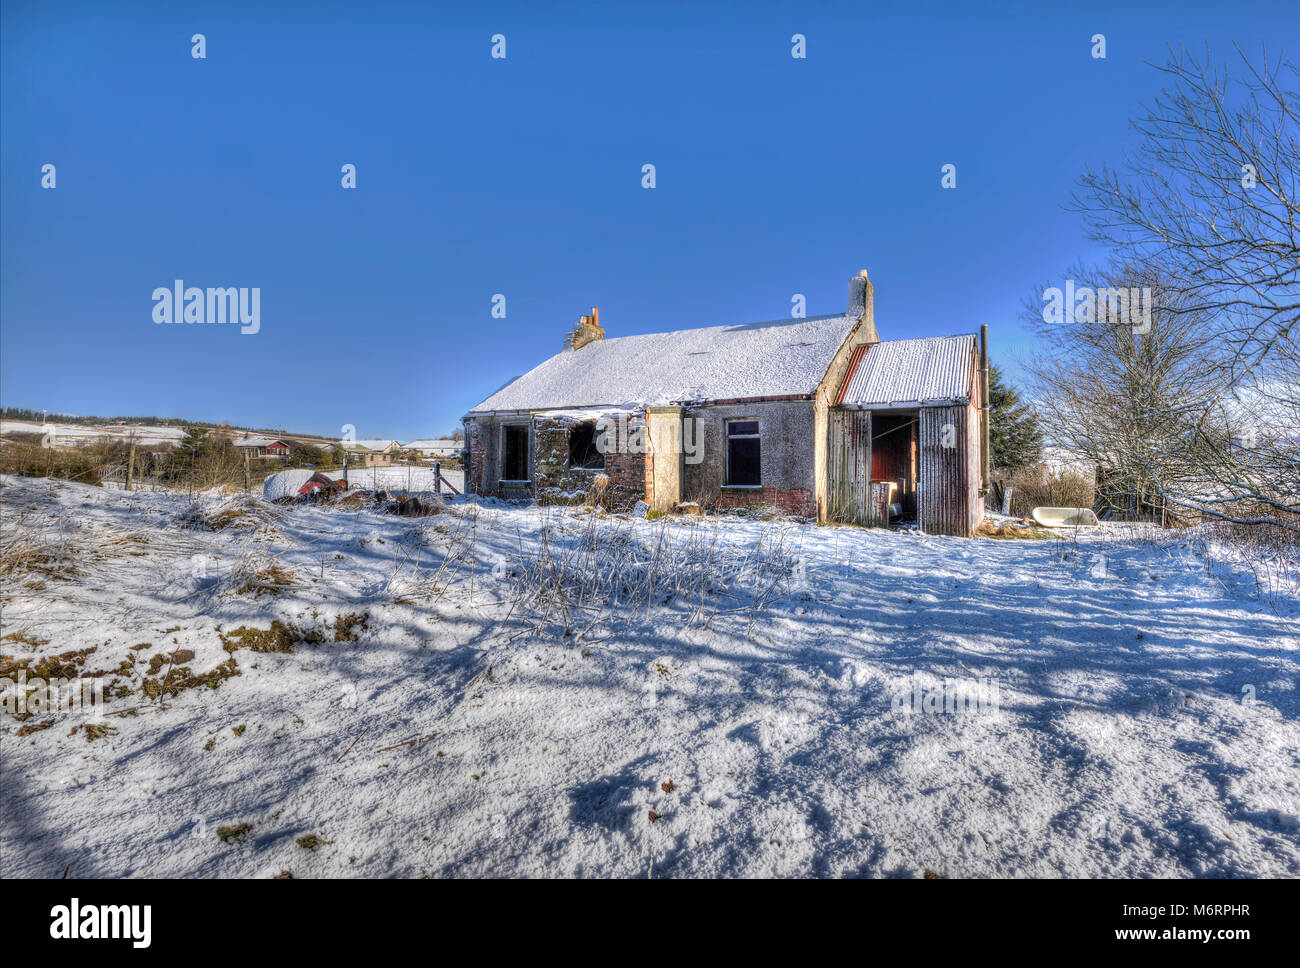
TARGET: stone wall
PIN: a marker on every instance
(551, 479)
(484, 439)
(786, 457)
(786, 461)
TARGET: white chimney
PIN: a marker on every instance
(861, 300)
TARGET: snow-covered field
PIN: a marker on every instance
(738, 712)
(406, 478)
(80, 434)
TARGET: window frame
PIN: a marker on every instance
(728, 437)
(595, 444)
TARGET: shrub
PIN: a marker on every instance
(1041, 486)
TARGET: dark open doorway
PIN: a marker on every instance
(514, 458)
(893, 458)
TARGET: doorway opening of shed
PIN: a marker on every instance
(893, 464)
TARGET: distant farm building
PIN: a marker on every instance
(434, 448)
(255, 446)
(372, 453)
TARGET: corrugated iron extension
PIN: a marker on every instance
(942, 381)
(947, 491)
(849, 477)
(931, 371)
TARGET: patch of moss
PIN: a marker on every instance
(311, 842)
(34, 727)
(234, 835)
(180, 679)
(95, 731)
(346, 626)
(281, 637)
(278, 638)
(65, 665)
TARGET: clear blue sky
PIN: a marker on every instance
(523, 177)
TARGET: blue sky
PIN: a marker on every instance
(522, 176)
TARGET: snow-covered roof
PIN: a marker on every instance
(438, 444)
(785, 357)
(929, 371)
(370, 444)
(255, 440)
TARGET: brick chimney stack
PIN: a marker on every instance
(587, 330)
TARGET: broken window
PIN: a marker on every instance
(743, 454)
(514, 456)
(583, 451)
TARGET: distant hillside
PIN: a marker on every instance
(26, 415)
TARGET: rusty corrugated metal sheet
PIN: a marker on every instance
(934, 370)
(948, 485)
(849, 477)
(854, 360)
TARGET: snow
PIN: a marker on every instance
(778, 358)
(255, 440)
(409, 479)
(87, 433)
(767, 738)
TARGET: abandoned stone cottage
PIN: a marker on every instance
(815, 416)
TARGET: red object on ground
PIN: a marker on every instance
(319, 480)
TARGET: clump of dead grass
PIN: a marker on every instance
(23, 637)
(1010, 530)
(94, 731)
(241, 512)
(271, 579)
(569, 574)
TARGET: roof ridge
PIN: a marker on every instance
(783, 321)
(771, 358)
(912, 339)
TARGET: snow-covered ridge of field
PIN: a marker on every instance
(74, 434)
(514, 691)
(410, 479)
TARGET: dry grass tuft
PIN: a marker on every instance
(270, 580)
(1009, 529)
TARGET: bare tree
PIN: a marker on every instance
(1210, 198)
(1128, 399)
(1208, 203)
